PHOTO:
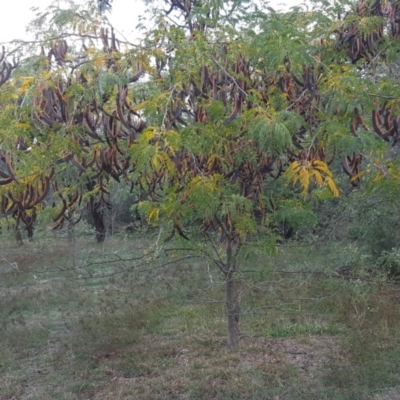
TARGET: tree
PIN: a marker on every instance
(246, 110)
(73, 106)
(229, 126)
(219, 118)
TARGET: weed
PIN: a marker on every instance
(159, 333)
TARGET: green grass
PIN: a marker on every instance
(159, 332)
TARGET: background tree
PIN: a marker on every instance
(76, 112)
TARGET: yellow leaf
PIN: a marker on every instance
(210, 162)
(155, 162)
(22, 125)
(332, 186)
(26, 82)
(322, 167)
(304, 179)
(356, 176)
(318, 177)
(294, 166)
(154, 215)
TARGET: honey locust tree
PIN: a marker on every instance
(66, 119)
(289, 95)
(369, 37)
(236, 111)
(22, 187)
(232, 100)
(203, 135)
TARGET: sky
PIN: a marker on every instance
(17, 15)
(124, 16)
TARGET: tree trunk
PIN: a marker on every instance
(29, 229)
(29, 221)
(232, 302)
(98, 222)
(70, 230)
(18, 235)
(232, 311)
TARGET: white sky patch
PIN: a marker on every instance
(125, 16)
(16, 16)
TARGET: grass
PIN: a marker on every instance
(156, 332)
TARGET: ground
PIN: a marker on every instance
(158, 330)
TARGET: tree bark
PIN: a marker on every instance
(232, 311)
(98, 222)
(29, 221)
(232, 302)
(18, 235)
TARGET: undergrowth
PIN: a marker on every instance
(159, 331)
